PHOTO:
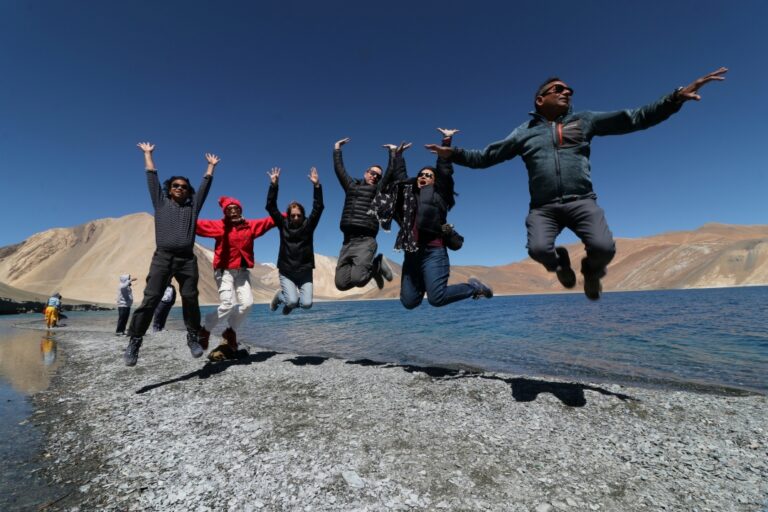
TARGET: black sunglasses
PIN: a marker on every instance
(182, 186)
(558, 89)
(425, 175)
(374, 173)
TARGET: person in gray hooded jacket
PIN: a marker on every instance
(555, 146)
(124, 302)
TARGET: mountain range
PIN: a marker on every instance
(83, 263)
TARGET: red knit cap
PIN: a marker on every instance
(225, 201)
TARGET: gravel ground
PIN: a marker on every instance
(277, 431)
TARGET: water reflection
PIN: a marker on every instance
(27, 359)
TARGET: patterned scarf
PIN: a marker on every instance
(383, 207)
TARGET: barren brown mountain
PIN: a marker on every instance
(83, 263)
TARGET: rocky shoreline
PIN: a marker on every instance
(277, 431)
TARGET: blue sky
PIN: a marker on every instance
(266, 84)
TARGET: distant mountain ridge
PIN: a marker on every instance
(83, 263)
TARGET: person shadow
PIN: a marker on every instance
(212, 368)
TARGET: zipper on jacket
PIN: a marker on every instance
(557, 130)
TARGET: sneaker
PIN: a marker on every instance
(203, 335)
(481, 289)
(592, 287)
(131, 354)
(275, 301)
(230, 335)
(119, 333)
(194, 346)
(565, 273)
(287, 310)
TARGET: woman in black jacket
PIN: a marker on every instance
(296, 258)
(420, 206)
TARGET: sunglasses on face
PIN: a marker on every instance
(427, 175)
(182, 186)
(558, 89)
(296, 215)
(374, 174)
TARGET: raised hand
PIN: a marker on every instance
(212, 159)
(146, 147)
(448, 132)
(340, 143)
(691, 91)
(397, 149)
(441, 151)
(274, 175)
(313, 177)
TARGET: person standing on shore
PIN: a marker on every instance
(164, 308)
(232, 257)
(296, 257)
(52, 310)
(124, 302)
(555, 146)
(358, 261)
(420, 206)
(176, 210)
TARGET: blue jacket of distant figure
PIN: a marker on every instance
(556, 153)
(125, 292)
(54, 301)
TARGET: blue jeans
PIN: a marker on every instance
(296, 291)
(427, 270)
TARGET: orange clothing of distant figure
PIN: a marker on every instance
(234, 243)
(51, 316)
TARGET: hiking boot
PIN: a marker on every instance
(131, 354)
(565, 273)
(230, 335)
(592, 287)
(481, 289)
(275, 301)
(203, 335)
(194, 346)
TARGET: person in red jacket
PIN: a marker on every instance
(232, 257)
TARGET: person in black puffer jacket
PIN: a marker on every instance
(420, 206)
(296, 258)
(358, 261)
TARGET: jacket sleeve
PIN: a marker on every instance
(317, 207)
(341, 172)
(444, 183)
(395, 170)
(261, 226)
(493, 154)
(155, 192)
(627, 121)
(202, 192)
(274, 213)
(209, 228)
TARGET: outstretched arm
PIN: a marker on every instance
(274, 177)
(213, 160)
(317, 203)
(153, 183)
(691, 91)
(396, 170)
(205, 185)
(338, 164)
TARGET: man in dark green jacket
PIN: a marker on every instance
(555, 147)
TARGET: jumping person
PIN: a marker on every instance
(420, 206)
(232, 257)
(555, 146)
(124, 302)
(176, 209)
(358, 261)
(296, 258)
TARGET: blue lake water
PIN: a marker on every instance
(714, 337)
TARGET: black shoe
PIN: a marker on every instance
(481, 289)
(203, 336)
(287, 310)
(131, 354)
(592, 287)
(194, 346)
(377, 274)
(384, 269)
(565, 273)
(275, 301)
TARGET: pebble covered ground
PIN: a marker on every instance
(277, 431)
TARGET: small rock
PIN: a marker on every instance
(353, 479)
(544, 507)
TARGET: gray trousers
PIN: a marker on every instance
(355, 265)
(586, 219)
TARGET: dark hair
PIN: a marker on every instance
(376, 166)
(297, 205)
(167, 185)
(444, 185)
(543, 87)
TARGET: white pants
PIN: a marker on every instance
(235, 298)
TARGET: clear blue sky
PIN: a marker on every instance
(267, 84)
